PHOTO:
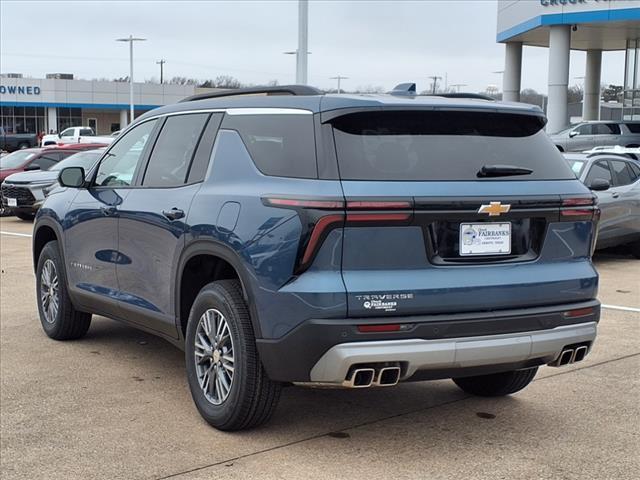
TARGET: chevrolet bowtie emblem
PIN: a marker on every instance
(494, 209)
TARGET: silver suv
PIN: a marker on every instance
(587, 135)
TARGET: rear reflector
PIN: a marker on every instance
(576, 213)
(580, 312)
(391, 327)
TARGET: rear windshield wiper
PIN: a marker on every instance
(503, 171)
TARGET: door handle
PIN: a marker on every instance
(173, 214)
(615, 194)
(108, 211)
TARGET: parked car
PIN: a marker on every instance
(616, 179)
(347, 241)
(76, 135)
(17, 141)
(631, 152)
(587, 135)
(29, 189)
(34, 159)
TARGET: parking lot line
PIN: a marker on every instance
(619, 307)
(16, 234)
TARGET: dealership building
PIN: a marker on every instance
(30, 105)
(593, 26)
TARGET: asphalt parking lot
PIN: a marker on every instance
(116, 405)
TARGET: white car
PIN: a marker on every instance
(75, 135)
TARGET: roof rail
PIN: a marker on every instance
(298, 90)
(478, 96)
(600, 153)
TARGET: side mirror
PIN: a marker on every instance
(573, 133)
(599, 185)
(60, 135)
(33, 166)
(72, 177)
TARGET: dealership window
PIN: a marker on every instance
(22, 119)
(69, 117)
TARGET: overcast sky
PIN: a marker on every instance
(376, 43)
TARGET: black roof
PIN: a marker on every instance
(308, 98)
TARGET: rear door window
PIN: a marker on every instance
(443, 145)
(281, 145)
(173, 151)
(606, 129)
(599, 170)
(633, 127)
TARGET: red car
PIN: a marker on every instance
(38, 159)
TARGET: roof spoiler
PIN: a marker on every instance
(409, 89)
(297, 90)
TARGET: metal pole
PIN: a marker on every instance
(339, 77)
(131, 78)
(303, 41)
(161, 62)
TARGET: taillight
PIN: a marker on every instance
(320, 215)
(579, 208)
(579, 312)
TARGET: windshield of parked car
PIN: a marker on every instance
(15, 159)
(577, 166)
(85, 160)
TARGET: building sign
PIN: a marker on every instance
(20, 90)
(552, 3)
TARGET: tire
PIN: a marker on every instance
(497, 384)
(27, 217)
(635, 249)
(65, 323)
(249, 397)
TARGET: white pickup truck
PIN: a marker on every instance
(75, 135)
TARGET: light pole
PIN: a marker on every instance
(130, 39)
(457, 86)
(338, 77)
(435, 79)
(161, 62)
(303, 41)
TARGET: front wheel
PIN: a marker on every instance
(227, 381)
(497, 384)
(60, 320)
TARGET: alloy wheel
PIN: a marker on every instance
(213, 356)
(49, 291)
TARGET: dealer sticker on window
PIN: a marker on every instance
(485, 238)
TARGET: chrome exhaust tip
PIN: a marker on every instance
(565, 358)
(580, 353)
(387, 377)
(360, 378)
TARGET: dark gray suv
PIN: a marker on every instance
(352, 241)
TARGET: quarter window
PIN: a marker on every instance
(599, 170)
(280, 145)
(171, 157)
(120, 162)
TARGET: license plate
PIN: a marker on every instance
(12, 202)
(485, 238)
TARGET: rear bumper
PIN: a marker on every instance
(433, 346)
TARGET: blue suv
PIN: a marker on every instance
(282, 236)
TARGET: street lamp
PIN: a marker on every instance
(130, 39)
(338, 77)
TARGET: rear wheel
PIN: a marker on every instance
(497, 384)
(227, 381)
(60, 320)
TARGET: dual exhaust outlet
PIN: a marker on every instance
(570, 355)
(363, 377)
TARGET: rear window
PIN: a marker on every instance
(577, 166)
(280, 145)
(444, 145)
